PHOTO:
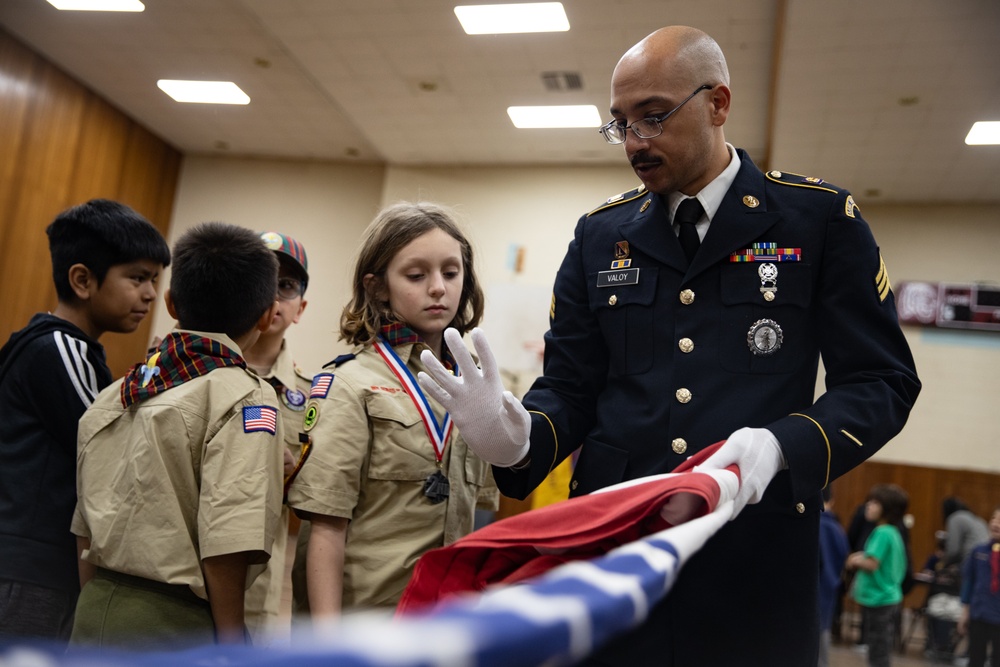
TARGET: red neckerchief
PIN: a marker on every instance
(397, 334)
(180, 357)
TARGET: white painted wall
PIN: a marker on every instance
(324, 206)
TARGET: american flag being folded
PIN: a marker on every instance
(569, 601)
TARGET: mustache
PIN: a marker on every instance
(642, 158)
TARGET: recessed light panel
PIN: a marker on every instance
(505, 19)
(584, 115)
(984, 133)
(98, 5)
(204, 92)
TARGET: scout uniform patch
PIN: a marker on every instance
(293, 399)
(260, 418)
(311, 417)
(321, 385)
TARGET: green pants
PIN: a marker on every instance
(124, 611)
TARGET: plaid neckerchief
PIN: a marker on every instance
(397, 334)
(180, 357)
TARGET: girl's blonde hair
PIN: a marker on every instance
(390, 231)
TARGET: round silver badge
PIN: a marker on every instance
(764, 337)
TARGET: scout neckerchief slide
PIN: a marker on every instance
(180, 357)
(436, 487)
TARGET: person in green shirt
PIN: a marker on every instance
(881, 568)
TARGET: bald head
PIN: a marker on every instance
(677, 79)
(690, 56)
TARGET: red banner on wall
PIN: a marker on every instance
(949, 305)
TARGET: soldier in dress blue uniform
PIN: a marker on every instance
(673, 328)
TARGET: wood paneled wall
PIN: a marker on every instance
(61, 145)
(927, 487)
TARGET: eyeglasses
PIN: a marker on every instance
(290, 288)
(644, 128)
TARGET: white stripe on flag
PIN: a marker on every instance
(552, 620)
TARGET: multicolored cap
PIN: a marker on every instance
(287, 245)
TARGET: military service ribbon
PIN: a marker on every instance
(766, 251)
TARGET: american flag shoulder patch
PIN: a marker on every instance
(321, 385)
(260, 418)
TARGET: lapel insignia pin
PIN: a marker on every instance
(751, 201)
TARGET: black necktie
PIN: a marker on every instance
(688, 213)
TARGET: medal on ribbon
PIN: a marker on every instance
(436, 487)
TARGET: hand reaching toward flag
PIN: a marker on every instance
(492, 421)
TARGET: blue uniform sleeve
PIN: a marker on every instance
(968, 579)
(871, 381)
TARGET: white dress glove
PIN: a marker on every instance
(757, 454)
(493, 423)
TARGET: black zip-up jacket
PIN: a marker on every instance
(50, 371)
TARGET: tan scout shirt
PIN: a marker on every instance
(263, 600)
(174, 479)
(370, 458)
(291, 383)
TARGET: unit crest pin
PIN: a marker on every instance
(765, 337)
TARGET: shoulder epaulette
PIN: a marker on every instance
(621, 198)
(798, 180)
(340, 360)
(302, 373)
(850, 208)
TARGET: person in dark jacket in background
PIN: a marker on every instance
(833, 550)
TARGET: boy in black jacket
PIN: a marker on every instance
(106, 259)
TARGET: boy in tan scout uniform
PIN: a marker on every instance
(179, 465)
(271, 359)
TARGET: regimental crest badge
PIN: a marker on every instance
(765, 337)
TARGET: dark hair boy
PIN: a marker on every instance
(188, 447)
(106, 259)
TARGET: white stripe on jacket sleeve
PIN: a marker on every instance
(78, 368)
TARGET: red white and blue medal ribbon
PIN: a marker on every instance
(438, 434)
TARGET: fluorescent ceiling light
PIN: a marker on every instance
(984, 133)
(524, 17)
(583, 115)
(204, 92)
(99, 5)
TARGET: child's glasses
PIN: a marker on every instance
(290, 288)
